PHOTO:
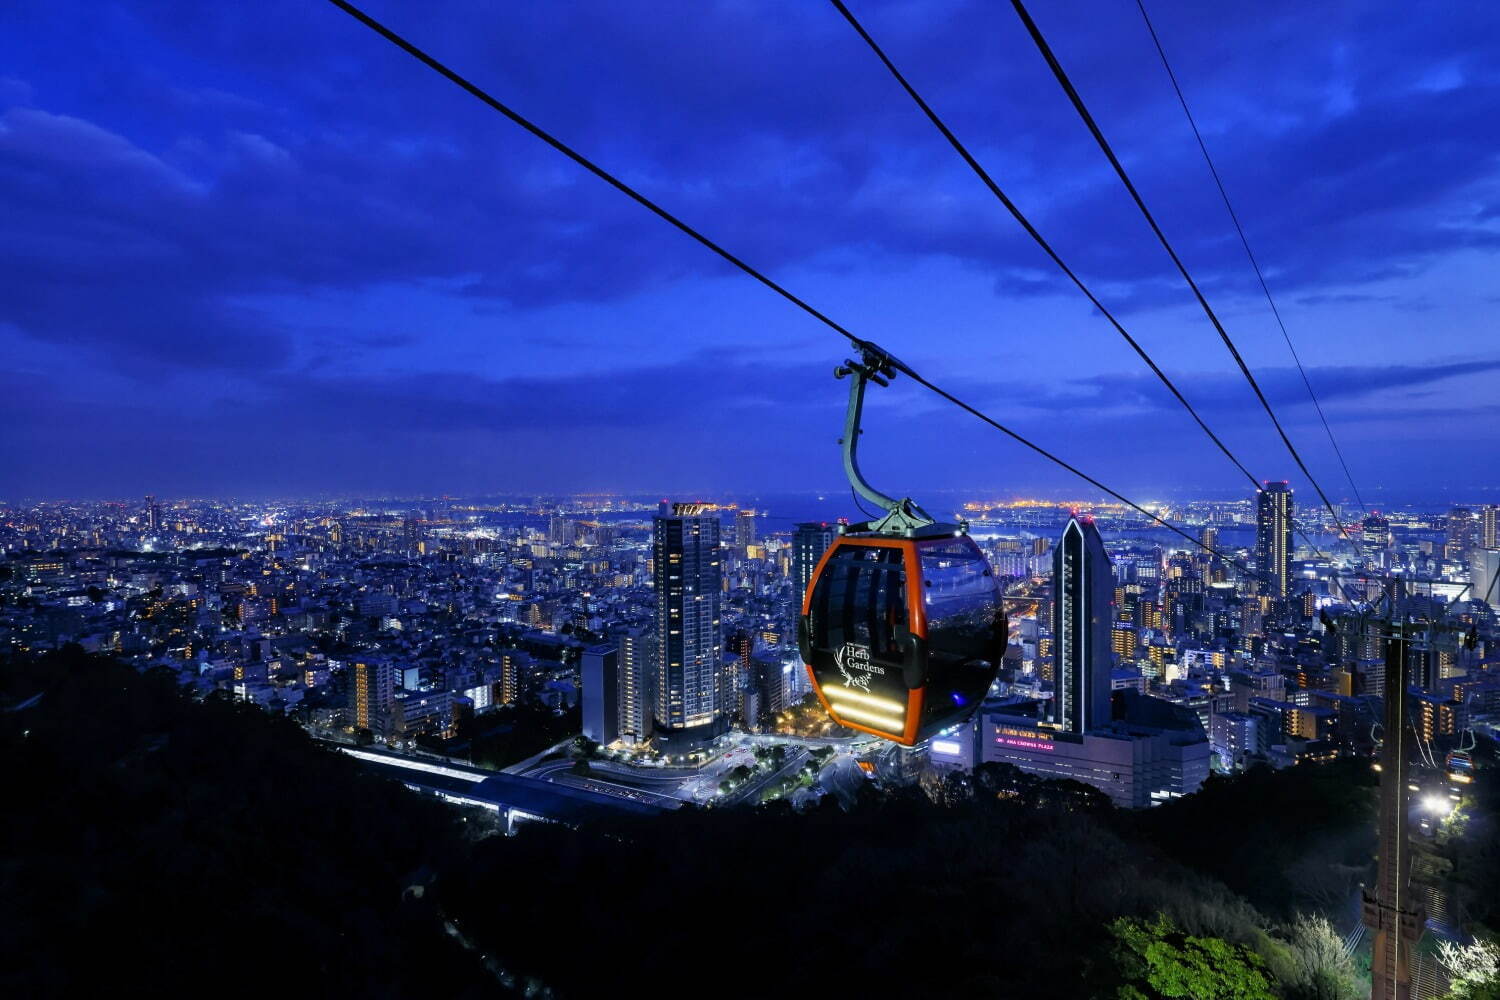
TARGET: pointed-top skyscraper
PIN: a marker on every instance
(1083, 582)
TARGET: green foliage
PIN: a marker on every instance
(949, 882)
(1473, 969)
(1153, 959)
(1321, 970)
(167, 833)
(1473, 850)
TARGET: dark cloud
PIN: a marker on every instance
(1225, 391)
(185, 188)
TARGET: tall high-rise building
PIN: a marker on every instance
(1484, 576)
(1273, 537)
(689, 647)
(1489, 527)
(1083, 583)
(371, 691)
(637, 674)
(1376, 533)
(600, 672)
(562, 530)
(742, 645)
(515, 664)
(744, 530)
(809, 542)
(153, 513)
(1209, 537)
(1462, 533)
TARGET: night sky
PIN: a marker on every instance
(254, 249)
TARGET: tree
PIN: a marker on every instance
(1324, 971)
(1155, 960)
(1473, 969)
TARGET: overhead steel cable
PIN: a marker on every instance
(1046, 247)
(1250, 254)
(1040, 240)
(583, 161)
(945, 394)
(1109, 153)
(604, 175)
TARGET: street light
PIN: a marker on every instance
(1437, 805)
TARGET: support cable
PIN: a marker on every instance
(604, 175)
(1041, 241)
(1109, 153)
(1254, 264)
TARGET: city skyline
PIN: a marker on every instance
(593, 665)
(271, 255)
(471, 473)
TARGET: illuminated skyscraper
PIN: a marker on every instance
(1083, 583)
(1462, 533)
(1489, 527)
(809, 542)
(1273, 537)
(689, 648)
(1376, 534)
(371, 690)
(637, 673)
(562, 530)
(744, 530)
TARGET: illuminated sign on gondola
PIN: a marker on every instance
(902, 638)
(852, 657)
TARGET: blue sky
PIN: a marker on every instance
(254, 249)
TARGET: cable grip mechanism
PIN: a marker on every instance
(904, 516)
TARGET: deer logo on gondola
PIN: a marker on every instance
(853, 655)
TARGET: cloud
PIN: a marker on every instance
(1222, 391)
(784, 139)
(186, 187)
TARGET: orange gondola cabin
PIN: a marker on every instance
(902, 628)
(902, 636)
